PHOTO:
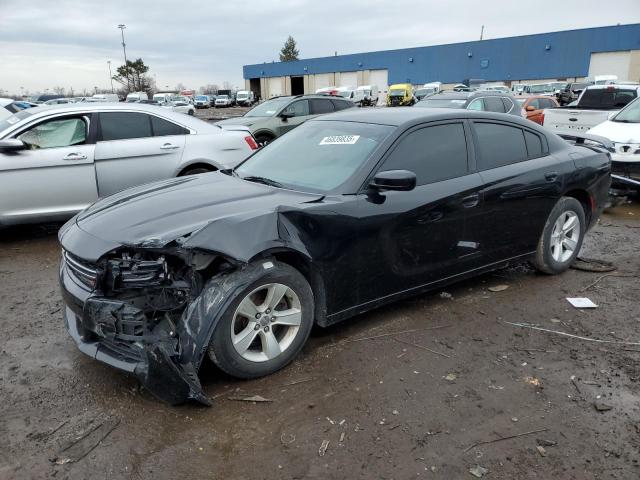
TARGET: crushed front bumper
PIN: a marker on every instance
(106, 330)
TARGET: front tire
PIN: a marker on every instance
(266, 324)
(263, 140)
(561, 237)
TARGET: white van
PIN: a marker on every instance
(163, 98)
(370, 93)
(136, 97)
(245, 97)
(106, 97)
(351, 93)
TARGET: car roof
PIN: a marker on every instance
(82, 107)
(404, 116)
(615, 86)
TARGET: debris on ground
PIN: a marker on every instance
(478, 471)
(541, 451)
(254, 398)
(446, 295)
(509, 437)
(602, 407)
(288, 439)
(450, 377)
(342, 437)
(323, 448)
(533, 381)
(498, 288)
(546, 443)
(581, 302)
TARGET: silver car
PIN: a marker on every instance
(55, 161)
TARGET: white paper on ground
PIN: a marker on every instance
(581, 302)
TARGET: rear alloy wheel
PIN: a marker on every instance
(266, 324)
(562, 237)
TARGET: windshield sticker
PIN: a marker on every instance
(270, 112)
(458, 102)
(339, 140)
(12, 120)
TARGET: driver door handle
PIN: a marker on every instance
(75, 156)
(169, 146)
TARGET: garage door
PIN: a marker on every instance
(275, 86)
(381, 79)
(348, 79)
(322, 80)
(610, 63)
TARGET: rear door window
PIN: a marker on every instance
(124, 125)
(508, 104)
(341, 104)
(494, 104)
(162, 127)
(499, 145)
(534, 144)
(433, 153)
(319, 106)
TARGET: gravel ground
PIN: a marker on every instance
(215, 114)
(435, 402)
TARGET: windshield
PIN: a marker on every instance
(345, 94)
(558, 85)
(13, 119)
(222, 97)
(442, 103)
(268, 108)
(396, 93)
(541, 88)
(242, 95)
(317, 156)
(202, 98)
(630, 114)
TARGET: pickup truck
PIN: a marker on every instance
(595, 105)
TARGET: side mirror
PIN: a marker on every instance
(530, 108)
(402, 180)
(287, 115)
(12, 144)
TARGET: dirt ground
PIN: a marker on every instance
(431, 403)
(215, 114)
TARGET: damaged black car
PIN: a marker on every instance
(343, 214)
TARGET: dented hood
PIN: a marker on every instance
(155, 214)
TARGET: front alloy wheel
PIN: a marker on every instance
(266, 322)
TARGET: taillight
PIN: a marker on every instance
(542, 118)
(523, 112)
(251, 142)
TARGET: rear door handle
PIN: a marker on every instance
(551, 176)
(471, 201)
(74, 156)
(169, 146)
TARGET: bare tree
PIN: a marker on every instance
(210, 89)
(58, 91)
(180, 86)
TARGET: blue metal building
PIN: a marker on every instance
(555, 55)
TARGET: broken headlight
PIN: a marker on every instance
(134, 271)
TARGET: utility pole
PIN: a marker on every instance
(110, 75)
(122, 26)
(481, 32)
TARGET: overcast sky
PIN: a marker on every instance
(47, 43)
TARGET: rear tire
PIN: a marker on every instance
(259, 334)
(561, 237)
(264, 140)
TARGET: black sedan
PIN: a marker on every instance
(343, 214)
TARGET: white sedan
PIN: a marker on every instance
(55, 161)
(181, 107)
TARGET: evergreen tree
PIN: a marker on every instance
(289, 52)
